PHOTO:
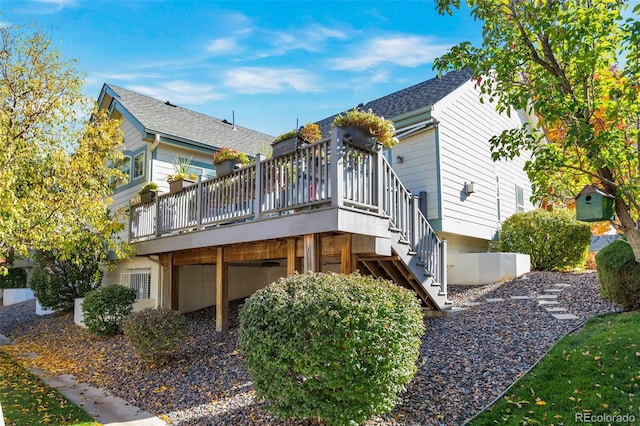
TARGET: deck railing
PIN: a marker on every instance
(311, 176)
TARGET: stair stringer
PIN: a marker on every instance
(436, 294)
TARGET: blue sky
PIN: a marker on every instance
(271, 63)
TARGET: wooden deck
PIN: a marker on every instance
(329, 200)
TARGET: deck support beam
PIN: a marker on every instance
(222, 292)
(174, 284)
(312, 253)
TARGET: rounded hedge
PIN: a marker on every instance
(106, 307)
(554, 240)
(619, 274)
(331, 346)
(155, 334)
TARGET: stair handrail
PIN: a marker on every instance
(405, 216)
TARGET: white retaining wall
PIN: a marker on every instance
(486, 268)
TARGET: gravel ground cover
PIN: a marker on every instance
(467, 360)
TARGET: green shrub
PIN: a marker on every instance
(15, 278)
(61, 276)
(155, 334)
(554, 240)
(619, 274)
(106, 307)
(336, 347)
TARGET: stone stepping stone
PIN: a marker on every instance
(564, 316)
(548, 297)
(554, 290)
(563, 285)
(473, 303)
(548, 302)
(520, 297)
(4, 340)
(495, 299)
(555, 309)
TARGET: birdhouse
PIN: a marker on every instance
(593, 205)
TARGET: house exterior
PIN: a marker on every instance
(444, 152)
(156, 134)
(397, 214)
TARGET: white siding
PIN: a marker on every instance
(419, 169)
(466, 125)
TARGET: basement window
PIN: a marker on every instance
(138, 279)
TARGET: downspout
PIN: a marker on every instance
(150, 148)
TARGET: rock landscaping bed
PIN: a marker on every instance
(467, 360)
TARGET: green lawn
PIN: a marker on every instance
(26, 400)
(589, 377)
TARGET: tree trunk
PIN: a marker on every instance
(629, 226)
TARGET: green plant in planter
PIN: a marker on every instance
(181, 167)
(379, 127)
(149, 187)
(283, 137)
(227, 153)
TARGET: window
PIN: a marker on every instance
(138, 165)
(139, 279)
(519, 199)
(125, 167)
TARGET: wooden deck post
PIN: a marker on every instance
(312, 253)
(222, 292)
(174, 285)
(291, 256)
(346, 258)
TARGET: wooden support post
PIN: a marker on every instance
(291, 256)
(312, 253)
(174, 285)
(346, 267)
(222, 292)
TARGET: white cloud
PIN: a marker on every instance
(406, 51)
(180, 92)
(253, 80)
(222, 45)
(58, 4)
(312, 38)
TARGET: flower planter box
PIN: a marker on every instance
(286, 146)
(360, 137)
(148, 197)
(227, 166)
(43, 311)
(179, 184)
(78, 315)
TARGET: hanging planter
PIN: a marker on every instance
(227, 166)
(293, 140)
(360, 137)
(227, 160)
(366, 129)
(148, 192)
(177, 185)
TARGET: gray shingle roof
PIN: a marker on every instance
(186, 125)
(421, 95)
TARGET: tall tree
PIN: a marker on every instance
(576, 64)
(55, 178)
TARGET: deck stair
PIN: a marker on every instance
(419, 256)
